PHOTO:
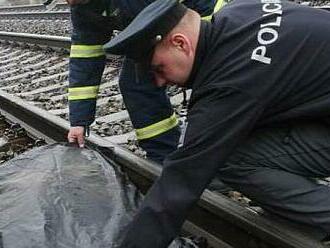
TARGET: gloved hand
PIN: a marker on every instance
(77, 135)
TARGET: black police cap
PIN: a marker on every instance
(154, 22)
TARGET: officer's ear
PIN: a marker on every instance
(181, 42)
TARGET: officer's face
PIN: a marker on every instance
(172, 62)
(76, 2)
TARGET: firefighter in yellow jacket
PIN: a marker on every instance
(149, 108)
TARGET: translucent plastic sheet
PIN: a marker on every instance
(64, 197)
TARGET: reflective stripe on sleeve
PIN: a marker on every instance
(83, 93)
(86, 51)
(157, 128)
(217, 7)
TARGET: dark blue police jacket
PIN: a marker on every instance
(259, 62)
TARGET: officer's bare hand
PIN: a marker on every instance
(76, 135)
(75, 2)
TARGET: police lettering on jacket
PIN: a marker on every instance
(268, 32)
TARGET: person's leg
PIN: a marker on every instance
(276, 168)
(151, 113)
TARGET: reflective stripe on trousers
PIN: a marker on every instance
(83, 93)
(86, 51)
(157, 128)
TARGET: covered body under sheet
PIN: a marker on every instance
(64, 197)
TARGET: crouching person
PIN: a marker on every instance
(257, 119)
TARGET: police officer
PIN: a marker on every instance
(149, 108)
(258, 114)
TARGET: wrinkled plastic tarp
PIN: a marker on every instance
(64, 197)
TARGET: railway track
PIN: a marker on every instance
(33, 95)
(223, 222)
(36, 15)
(32, 8)
(36, 20)
(40, 77)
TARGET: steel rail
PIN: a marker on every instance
(324, 7)
(30, 7)
(218, 218)
(36, 15)
(43, 40)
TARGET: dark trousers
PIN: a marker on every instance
(277, 167)
(146, 105)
